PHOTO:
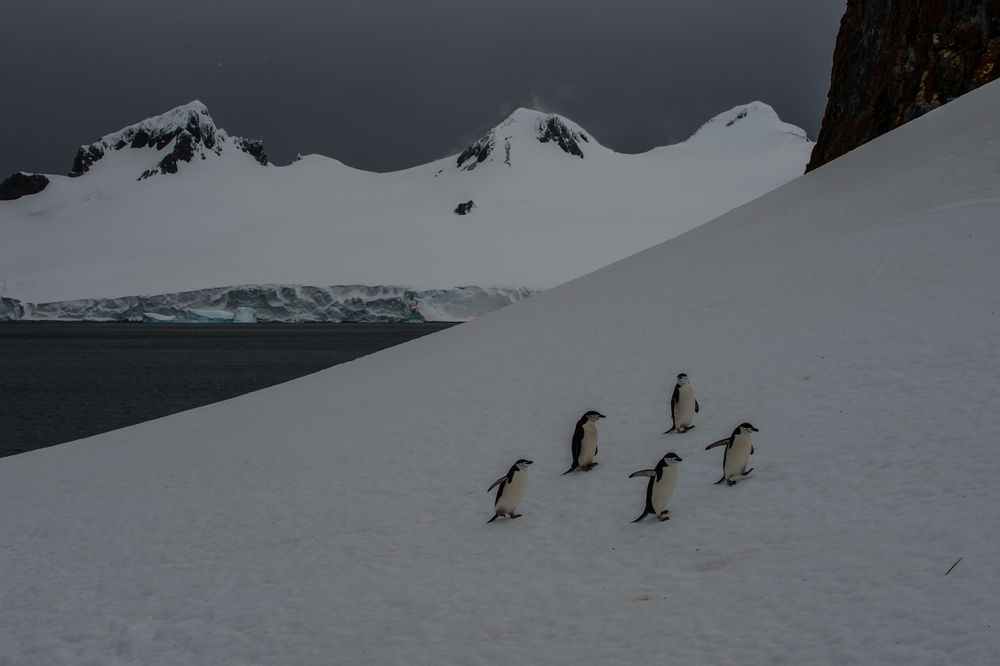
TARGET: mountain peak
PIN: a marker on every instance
(525, 125)
(756, 114)
(188, 130)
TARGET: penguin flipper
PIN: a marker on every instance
(642, 472)
(697, 407)
(751, 449)
(497, 483)
(724, 440)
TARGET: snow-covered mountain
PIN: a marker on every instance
(180, 135)
(549, 203)
(852, 316)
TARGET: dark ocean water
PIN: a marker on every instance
(61, 381)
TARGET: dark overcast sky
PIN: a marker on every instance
(386, 84)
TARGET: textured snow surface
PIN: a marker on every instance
(545, 212)
(852, 315)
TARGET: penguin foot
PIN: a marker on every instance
(730, 482)
(662, 517)
(747, 471)
(515, 515)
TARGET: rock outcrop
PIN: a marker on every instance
(188, 131)
(898, 59)
(555, 130)
(465, 208)
(21, 185)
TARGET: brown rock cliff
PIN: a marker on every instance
(898, 59)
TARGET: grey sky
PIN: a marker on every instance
(386, 84)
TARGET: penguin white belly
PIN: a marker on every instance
(588, 447)
(684, 409)
(664, 489)
(512, 494)
(737, 456)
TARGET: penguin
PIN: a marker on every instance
(662, 481)
(585, 442)
(511, 490)
(683, 406)
(739, 448)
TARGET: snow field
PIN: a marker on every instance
(546, 218)
(851, 315)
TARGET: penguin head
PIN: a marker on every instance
(593, 416)
(522, 464)
(671, 459)
(747, 428)
(682, 379)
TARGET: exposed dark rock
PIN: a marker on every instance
(141, 139)
(183, 151)
(739, 116)
(22, 184)
(85, 158)
(553, 129)
(896, 60)
(190, 131)
(254, 148)
(478, 151)
(465, 208)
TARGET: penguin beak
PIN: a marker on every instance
(754, 429)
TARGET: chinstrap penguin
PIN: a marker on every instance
(585, 442)
(683, 405)
(662, 481)
(739, 448)
(511, 490)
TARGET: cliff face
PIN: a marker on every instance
(898, 59)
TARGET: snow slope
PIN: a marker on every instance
(852, 315)
(544, 212)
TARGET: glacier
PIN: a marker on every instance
(279, 303)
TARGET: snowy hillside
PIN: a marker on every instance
(550, 204)
(852, 316)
